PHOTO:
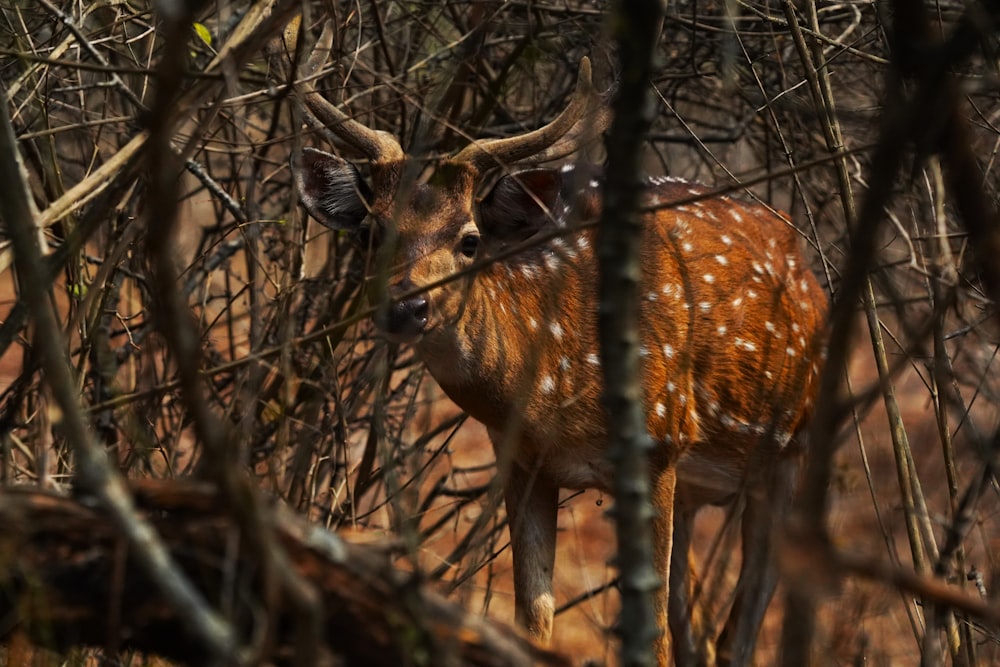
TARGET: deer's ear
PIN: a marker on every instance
(521, 204)
(332, 190)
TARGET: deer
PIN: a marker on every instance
(496, 294)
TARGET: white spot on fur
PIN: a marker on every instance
(708, 278)
(556, 330)
(721, 259)
(563, 249)
(726, 240)
(593, 359)
(747, 345)
(533, 323)
(721, 330)
(564, 363)
(548, 384)
(661, 410)
(668, 351)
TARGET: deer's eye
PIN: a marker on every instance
(469, 245)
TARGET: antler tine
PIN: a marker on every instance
(485, 154)
(585, 134)
(376, 145)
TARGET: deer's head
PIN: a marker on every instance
(424, 232)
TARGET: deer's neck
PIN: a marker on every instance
(522, 330)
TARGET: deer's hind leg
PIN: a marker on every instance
(688, 622)
(765, 512)
(663, 497)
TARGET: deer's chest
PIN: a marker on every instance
(559, 434)
(580, 464)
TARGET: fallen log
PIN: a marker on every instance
(66, 581)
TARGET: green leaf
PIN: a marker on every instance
(204, 33)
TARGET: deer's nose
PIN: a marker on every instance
(403, 320)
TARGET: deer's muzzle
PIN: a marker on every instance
(403, 320)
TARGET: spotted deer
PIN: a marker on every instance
(729, 331)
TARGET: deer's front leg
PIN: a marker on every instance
(531, 507)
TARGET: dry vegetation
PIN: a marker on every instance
(165, 208)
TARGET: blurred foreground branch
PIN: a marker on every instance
(70, 583)
(619, 242)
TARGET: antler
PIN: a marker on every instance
(583, 135)
(376, 145)
(489, 153)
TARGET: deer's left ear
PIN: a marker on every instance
(332, 190)
(521, 204)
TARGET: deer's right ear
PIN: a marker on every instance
(332, 190)
(521, 204)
